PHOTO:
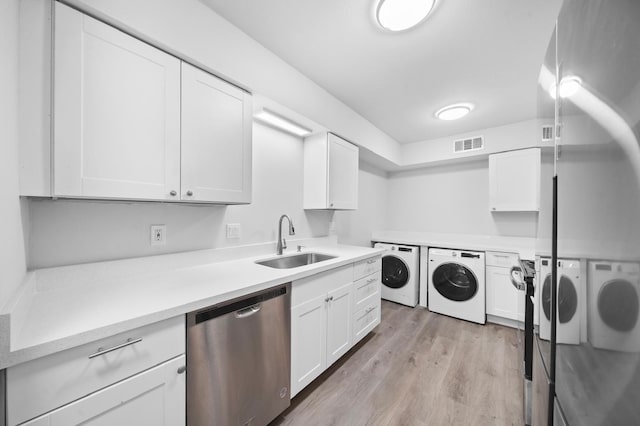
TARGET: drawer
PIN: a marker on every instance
(319, 284)
(366, 319)
(364, 289)
(506, 260)
(366, 267)
(38, 386)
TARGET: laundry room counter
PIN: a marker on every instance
(525, 247)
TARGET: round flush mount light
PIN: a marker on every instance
(568, 87)
(400, 15)
(454, 112)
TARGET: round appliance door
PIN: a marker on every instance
(618, 305)
(395, 272)
(455, 282)
(567, 299)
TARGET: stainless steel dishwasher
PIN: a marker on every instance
(238, 360)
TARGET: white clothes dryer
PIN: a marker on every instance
(568, 301)
(400, 266)
(456, 284)
(614, 304)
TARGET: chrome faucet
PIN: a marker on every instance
(282, 243)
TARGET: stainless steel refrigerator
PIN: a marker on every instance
(586, 355)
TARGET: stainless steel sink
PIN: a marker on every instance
(296, 260)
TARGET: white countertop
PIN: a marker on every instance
(525, 247)
(59, 308)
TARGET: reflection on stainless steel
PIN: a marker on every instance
(597, 381)
(295, 261)
(238, 360)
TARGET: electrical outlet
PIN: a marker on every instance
(158, 235)
(233, 230)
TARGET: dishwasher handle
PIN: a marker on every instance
(247, 312)
(241, 307)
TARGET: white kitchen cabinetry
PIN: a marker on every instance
(153, 397)
(514, 180)
(140, 381)
(133, 122)
(330, 173)
(216, 139)
(503, 299)
(320, 325)
(330, 312)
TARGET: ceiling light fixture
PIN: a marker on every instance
(400, 15)
(453, 112)
(569, 86)
(273, 119)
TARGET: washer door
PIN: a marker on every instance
(395, 272)
(567, 299)
(618, 305)
(455, 282)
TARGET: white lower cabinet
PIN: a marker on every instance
(153, 397)
(132, 378)
(330, 312)
(503, 299)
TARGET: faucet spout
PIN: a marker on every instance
(282, 243)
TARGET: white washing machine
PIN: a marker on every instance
(614, 302)
(456, 284)
(400, 278)
(568, 301)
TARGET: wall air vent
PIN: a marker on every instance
(469, 144)
(547, 133)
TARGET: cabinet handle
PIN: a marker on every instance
(370, 261)
(173, 193)
(182, 369)
(101, 351)
(328, 299)
(370, 309)
(371, 280)
(189, 193)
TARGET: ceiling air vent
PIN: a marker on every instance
(547, 133)
(470, 144)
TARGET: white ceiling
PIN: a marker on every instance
(486, 52)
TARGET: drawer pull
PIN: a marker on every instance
(369, 310)
(182, 369)
(101, 351)
(370, 261)
(371, 280)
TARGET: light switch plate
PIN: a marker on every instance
(233, 230)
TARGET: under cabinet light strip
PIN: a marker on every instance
(270, 118)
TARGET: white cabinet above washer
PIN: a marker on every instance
(514, 180)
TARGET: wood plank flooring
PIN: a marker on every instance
(418, 368)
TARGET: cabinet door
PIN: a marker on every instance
(339, 315)
(153, 397)
(216, 139)
(116, 113)
(308, 342)
(343, 174)
(514, 180)
(502, 297)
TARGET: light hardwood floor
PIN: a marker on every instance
(418, 368)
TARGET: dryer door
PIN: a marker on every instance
(395, 272)
(567, 299)
(455, 282)
(618, 305)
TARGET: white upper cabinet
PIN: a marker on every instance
(130, 121)
(116, 113)
(216, 139)
(514, 180)
(330, 173)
